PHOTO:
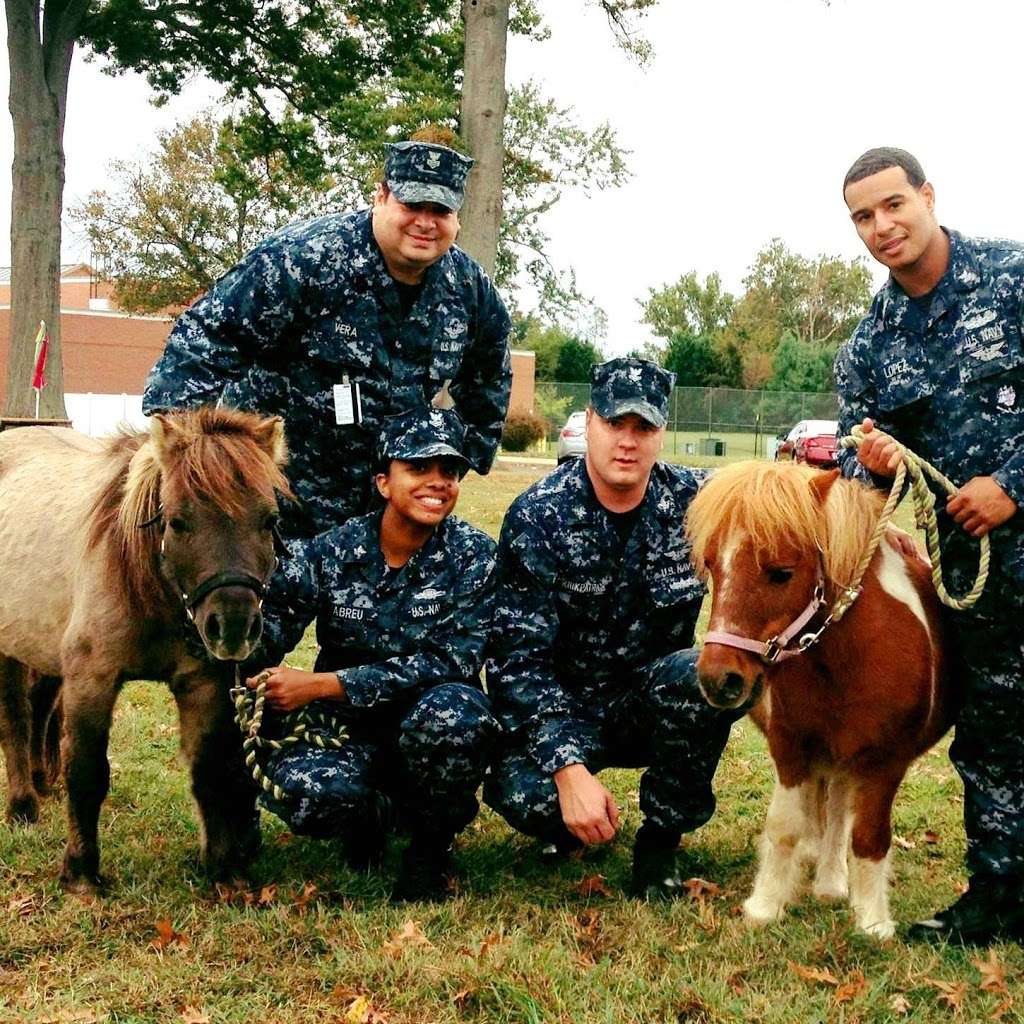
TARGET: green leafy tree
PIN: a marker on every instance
(692, 359)
(575, 358)
(690, 306)
(800, 365)
(169, 225)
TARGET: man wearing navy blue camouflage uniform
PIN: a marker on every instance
(402, 603)
(938, 364)
(590, 663)
(338, 322)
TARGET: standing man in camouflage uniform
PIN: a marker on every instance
(402, 602)
(590, 663)
(338, 322)
(938, 363)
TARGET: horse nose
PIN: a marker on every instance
(731, 687)
(232, 623)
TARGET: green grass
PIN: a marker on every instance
(519, 943)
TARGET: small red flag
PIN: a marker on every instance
(42, 348)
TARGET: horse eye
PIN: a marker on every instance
(779, 575)
(271, 521)
(178, 525)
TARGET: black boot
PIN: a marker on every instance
(655, 871)
(993, 906)
(427, 874)
(366, 844)
(563, 847)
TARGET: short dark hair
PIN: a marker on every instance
(881, 159)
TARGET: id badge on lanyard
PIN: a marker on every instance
(347, 406)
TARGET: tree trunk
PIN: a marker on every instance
(482, 121)
(40, 59)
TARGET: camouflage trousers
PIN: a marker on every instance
(664, 723)
(429, 763)
(988, 745)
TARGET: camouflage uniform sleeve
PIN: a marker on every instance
(454, 650)
(290, 604)
(521, 680)
(482, 387)
(219, 338)
(1010, 475)
(856, 400)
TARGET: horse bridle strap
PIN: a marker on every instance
(223, 579)
(777, 648)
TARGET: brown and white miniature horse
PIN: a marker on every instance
(846, 716)
(108, 550)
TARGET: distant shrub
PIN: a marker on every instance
(521, 430)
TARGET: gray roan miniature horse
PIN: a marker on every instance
(116, 558)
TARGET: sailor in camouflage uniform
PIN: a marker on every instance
(338, 322)
(402, 601)
(590, 663)
(938, 363)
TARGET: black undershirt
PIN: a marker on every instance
(407, 296)
(622, 522)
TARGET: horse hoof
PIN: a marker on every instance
(758, 913)
(81, 886)
(831, 890)
(881, 930)
(23, 810)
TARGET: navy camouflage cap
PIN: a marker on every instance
(425, 172)
(426, 433)
(620, 386)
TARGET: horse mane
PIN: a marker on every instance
(775, 505)
(212, 455)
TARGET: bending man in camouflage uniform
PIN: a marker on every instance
(595, 611)
(338, 322)
(938, 363)
(402, 602)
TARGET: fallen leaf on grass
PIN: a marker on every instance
(268, 894)
(698, 888)
(930, 837)
(190, 1015)
(900, 1004)
(167, 936)
(593, 885)
(1002, 1009)
(903, 843)
(993, 978)
(411, 935)
(813, 973)
(71, 1017)
(851, 988)
(309, 890)
(283, 839)
(359, 1011)
(950, 992)
(23, 906)
(737, 980)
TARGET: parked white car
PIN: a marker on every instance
(572, 438)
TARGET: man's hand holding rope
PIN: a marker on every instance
(980, 505)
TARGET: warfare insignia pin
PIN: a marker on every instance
(433, 160)
(635, 374)
(1006, 397)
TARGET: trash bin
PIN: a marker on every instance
(689, 447)
(712, 446)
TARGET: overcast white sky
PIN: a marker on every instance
(739, 130)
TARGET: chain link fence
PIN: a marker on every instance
(706, 422)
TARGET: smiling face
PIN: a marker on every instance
(896, 222)
(411, 237)
(420, 493)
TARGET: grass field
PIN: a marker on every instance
(306, 940)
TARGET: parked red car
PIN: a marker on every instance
(811, 441)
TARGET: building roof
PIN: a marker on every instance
(66, 270)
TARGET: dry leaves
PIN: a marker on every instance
(950, 992)
(993, 977)
(851, 988)
(167, 936)
(816, 974)
(71, 1017)
(23, 906)
(362, 1011)
(301, 902)
(593, 885)
(900, 1004)
(410, 937)
(698, 888)
(191, 1015)
(930, 837)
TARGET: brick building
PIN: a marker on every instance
(107, 353)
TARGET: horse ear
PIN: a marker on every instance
(821, 484)
(163, 432)
(270, 437)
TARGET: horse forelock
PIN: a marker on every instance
(217, 456)
(774, 506)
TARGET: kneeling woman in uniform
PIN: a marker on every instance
(402, 602)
